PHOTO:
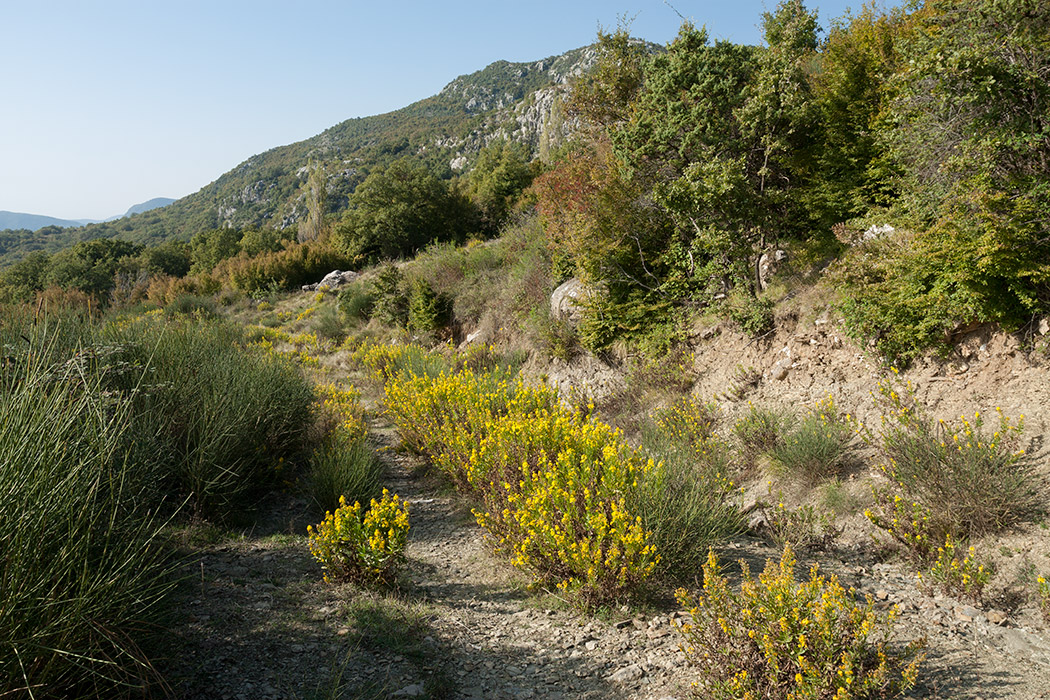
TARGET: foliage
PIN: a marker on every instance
(344, 463)
(390, 303)
(428, 311)
(760, 429)
(1043, 593)
(818, 446)
(356, 301)
(365, 548)
(754, 315)
(399, 210)
(82, 573)
(780, 639)
(971, 479)
(962, 576)
(500, 174)
(800, 528)
(686, 501)
(551, 483)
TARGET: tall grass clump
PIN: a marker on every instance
(685, 501)
(818, 446)
(81, 571)
(344, 465)
(219, 416)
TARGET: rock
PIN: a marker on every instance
(996, 617)
(333, 280)
(881, 594)
(627, 674)
(1044, 326)
(410, 691)
(565, 301)
(780, 370)
(878, 231)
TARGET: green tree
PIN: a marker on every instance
(91, 265)
(499, 176)
(401, 209)
(209, 248)
(316, 195)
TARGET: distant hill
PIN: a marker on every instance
(155, 203)
(33, 222)
(517, 101)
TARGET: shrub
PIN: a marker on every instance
(216, 415)
(192, 305)
(552, 483)
(801, 527)
(364, 548)
(957, 573)
(754, 315)
(971, 479)
(428, 311)
(760, 430)
(779, 639)
(685, 501)
(327, 323)
(1043, 594)
(356, 302)
(817, 448)
(344, 464)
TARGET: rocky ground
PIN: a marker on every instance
(253, 618)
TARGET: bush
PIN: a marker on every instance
(818, 447)
(82, 573)
(779, 639)
(356, 302)
(754, 315)
(957, 572)
(328, 323)
(760, 430)
(192, 305)
(364, 548)
(553, 484)
(344, 465)
(214, 414)
(965, 478)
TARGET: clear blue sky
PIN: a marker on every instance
(106, 104)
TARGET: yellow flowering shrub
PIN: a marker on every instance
(364, 548)
(957, 572)
(1043, 592)
(343, 407)
(553, 483)
(777, 638)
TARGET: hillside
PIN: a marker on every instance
(503, 100)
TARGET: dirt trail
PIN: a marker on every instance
(254, 620)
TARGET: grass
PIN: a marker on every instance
(109, 428)
(82, 571)
(343, 466)
(818, 447)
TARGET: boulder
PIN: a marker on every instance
(565, 301)
(333, 280)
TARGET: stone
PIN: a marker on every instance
(565, 301)
(1044, 326)
(780, 370)
(410, 691)
(333, 280)
(996, 617)
(627, 674)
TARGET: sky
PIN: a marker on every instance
(105, 104)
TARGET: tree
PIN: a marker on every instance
(209, 248)
(91, 265)
(499, 176)
(312, 227)
(401, 209)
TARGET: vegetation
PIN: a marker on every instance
(364, 547)
(778, 638)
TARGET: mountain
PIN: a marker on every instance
(154, 203)
(33, 222)
(517, 101)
